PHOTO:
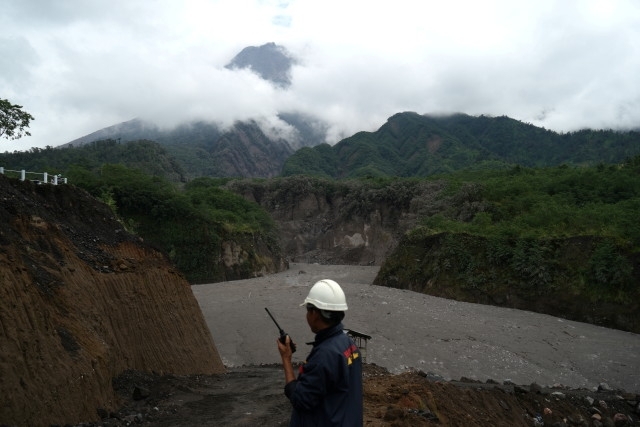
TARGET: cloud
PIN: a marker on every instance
(78, 65)
(282, 20)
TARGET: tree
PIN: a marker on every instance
(13, 121)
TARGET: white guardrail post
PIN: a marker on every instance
(45, 176)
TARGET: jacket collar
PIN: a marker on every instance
(328, 332)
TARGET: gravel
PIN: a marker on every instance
(415, 331)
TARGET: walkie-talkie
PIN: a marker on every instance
(283, 334)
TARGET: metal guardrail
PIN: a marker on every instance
(46, 177)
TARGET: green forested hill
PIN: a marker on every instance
(147, 156)
(548, 239)
(407, 145)
(205, 148)
(193, 223)
(410, 144)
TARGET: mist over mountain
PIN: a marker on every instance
(248, 149)
(131, 130)
(270, 61)
(408, 144)
(254, 147)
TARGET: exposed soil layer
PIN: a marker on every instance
(81, 301)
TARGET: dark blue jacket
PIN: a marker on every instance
(328, 390)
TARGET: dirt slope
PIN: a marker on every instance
(81, 301)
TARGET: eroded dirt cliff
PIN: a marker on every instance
(81, 301)
(348, 225)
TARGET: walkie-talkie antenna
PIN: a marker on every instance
(283, 334)
(274, 321)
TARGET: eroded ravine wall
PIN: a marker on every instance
(81, 301)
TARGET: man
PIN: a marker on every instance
(328, 390)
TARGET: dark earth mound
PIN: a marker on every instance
(253, 396)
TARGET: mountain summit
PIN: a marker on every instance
(270, 61)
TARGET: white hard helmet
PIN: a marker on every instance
(326, 295)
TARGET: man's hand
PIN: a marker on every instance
(286, 354)
(285, 348)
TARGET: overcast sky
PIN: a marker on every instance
(80, 65)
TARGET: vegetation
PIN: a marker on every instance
(564, 241)
(13, 120)
(519, 202)
(545, 203)
(505, 209)
(412, 145)
(509, 236)
(189, 224)
(408, 145)
(143, 155)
